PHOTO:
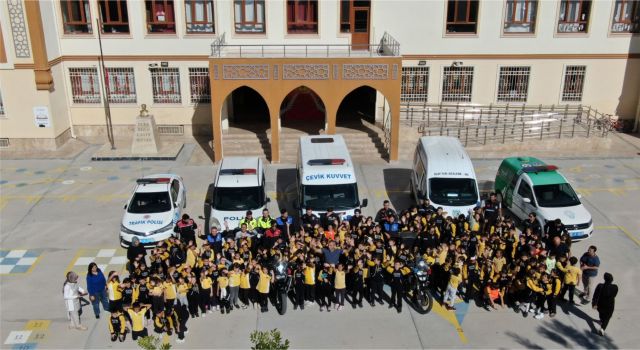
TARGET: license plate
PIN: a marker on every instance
(146, 240)
(577, 233)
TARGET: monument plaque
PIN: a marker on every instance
(145, 136)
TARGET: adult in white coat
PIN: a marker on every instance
(72, 293)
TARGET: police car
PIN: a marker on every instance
(528, 185)
(154, 208)
(239, 186)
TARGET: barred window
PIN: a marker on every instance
(456, 84)
(415, 84)
(166, 85)
(573, 83)
(121, 85)
(513, 84)
(626, 17)
(199, 83)
(85, 86)
(1, 106)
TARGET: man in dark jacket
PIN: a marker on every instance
(186, 229)
(604, 300)
(135, 252)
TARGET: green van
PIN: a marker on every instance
(526, 184)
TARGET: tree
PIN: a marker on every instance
(268, 340)
(153, 343)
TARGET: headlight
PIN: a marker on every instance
(165, 228)
(280, 268)
(124, 229)
(422, 263)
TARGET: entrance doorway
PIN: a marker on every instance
(248, 123)
(302, 109)
(359, 18)
(247, 108)
(358, 105)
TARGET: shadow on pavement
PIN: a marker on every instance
(396, 183)
(566, 336)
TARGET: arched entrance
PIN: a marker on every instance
(361, 119)
(302, 109)
(247, 118)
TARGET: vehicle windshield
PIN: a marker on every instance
(238, 198)
(338, 197)
(556, 196)
(452, 191)
(149, 202)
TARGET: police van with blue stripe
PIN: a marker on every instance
(326, 177)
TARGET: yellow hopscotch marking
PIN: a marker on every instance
(621, 229)
(37, 325)
(450, 316)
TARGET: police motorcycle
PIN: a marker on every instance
(418, 291)
(282, 284)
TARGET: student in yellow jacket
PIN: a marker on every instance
(572, 274)
(263, 288)
(136, 315)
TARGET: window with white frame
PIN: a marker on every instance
(85, 86)
(456, 84)
(626, 16)
(199, 16)
(513, 84)
(166, 85)
(121, 85)
(199, 83)
(249, 16)
(1, 106)
(415, 84)
(573, 83)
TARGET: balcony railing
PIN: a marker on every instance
(388, 46)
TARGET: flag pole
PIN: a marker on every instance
(105, 91)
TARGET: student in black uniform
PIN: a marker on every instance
(298, 287)
(376, 282)
(358, 276)
(397, 285)
(117, 326)
(193, 297)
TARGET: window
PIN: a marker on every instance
(302, 16)
(249, 16)
(525, 191)
(199, 16)
(456, 84)
(114, 16)
(556, 196)
(121, 85)
(574, 16)
(199, 82)
(166, 85)
(513, 84)
(453, 191)
(76, 17)
(462, 16)
(415, 84)
(85, 86)
(160, 16)
(626, 16)
(573, 83)
(345, 16)
(520, 16)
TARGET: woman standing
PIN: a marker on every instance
(604, 300)
(72, 293)
(97, 287)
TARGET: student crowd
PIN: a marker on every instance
(481, 256)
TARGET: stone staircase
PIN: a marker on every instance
(365, 142)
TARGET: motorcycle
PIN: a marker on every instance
(282, 284)
(419, 294)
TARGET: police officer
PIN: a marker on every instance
(330, 218)
(186, 229)
(532, 223)
(250, 221)
(492, 209)
(264, 222)
(285, 224)
(384, 212)
(309, 220)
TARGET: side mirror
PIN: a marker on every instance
(268, 200)
(365, 202)
(526, 200)
(579, 196)
(125, 206)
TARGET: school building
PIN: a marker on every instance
(207, 67)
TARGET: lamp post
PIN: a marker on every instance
(105, 91)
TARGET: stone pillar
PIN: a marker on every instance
(331, 113)
(41, 70)
(274, 118)
(145, 136)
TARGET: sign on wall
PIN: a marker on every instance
(41, 116)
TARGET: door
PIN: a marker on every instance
(520, 207)
(360, 28)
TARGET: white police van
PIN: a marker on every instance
(326, 177)
(239, 186)
(443, 173)
(153, 209)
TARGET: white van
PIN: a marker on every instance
(326, 176)
(443, 173)
(239, 186)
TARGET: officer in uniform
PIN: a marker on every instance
(186, 229)
(492, 209)
(250, 221)
(264, 222)
(285, 224)
(309, 220)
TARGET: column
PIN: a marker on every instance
(44, 79)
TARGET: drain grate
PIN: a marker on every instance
(171, 129)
